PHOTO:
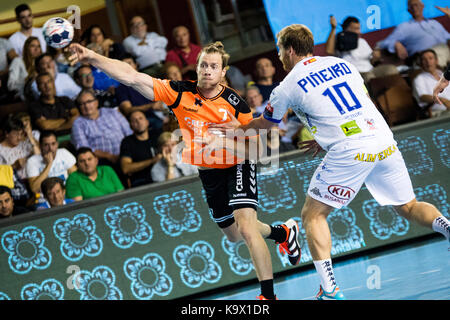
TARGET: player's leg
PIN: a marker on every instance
(394, 187)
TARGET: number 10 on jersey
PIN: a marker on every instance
(338, 88)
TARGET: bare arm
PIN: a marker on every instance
(129, 167)
(330, 45)
(121, 71)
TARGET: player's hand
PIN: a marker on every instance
(310, 145)
(79, 54)
(440, 86)
(445, 10)
(233, 124)
(212, 143)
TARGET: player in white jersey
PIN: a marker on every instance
(329, 96)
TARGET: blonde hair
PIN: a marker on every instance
(298, 37)
(216, 47)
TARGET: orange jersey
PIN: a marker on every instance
(195, 113)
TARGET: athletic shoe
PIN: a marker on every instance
(336, 294)
(291, 245)
(261, 297)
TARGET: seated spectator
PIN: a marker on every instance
(52, 112)
(138, 152)
(63, 65)
(7, 207)
(184, 54)
(172, 72)
(411, 37)
(54, 192)
(170, 165)
(149, 48)
(101, 129)
(52, 162)
(424, 83)
(129, 100)
(64, 84)
(14, 150)
(102, 81)
(7, 54)
(30, 133)
(84, 77)
(24, 17)
(96, 35)
(255, 101)
(264, 77)
(91, 180)
(10, 179)
(22, 69)
(350, 46)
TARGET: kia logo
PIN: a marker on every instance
(341, 192)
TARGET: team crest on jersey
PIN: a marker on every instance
(198, 102)
(233, 99)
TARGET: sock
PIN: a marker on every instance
(267, 289)
(325, 270)
(277, 233)
(442, 225)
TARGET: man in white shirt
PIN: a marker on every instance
(52, 162)
(329, 96)
(149, 48)
(424, 83)
(362, 57)
(25, 19)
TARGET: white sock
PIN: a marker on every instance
(325, 270)
(442, 225)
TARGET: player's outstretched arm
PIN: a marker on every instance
(116, 69)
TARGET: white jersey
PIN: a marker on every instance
(329, 97)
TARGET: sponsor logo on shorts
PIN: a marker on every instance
(371, 157)
(341, 192)
(239, 185)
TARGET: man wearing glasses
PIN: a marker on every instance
(149, 48)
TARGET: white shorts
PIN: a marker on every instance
(348, 165)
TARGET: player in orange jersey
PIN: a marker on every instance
(229, 183)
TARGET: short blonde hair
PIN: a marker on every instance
(298, 37)
(216, 47)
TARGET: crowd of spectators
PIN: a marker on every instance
(113, 138)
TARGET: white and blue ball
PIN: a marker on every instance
(58, 32)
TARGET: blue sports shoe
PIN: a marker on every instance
(336, 294)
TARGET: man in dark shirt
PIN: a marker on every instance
(7, 207)
(51, 112)
(138, 152)
(265, 72)
(129, 100)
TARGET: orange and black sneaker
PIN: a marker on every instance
(291, 245)
(261, 297)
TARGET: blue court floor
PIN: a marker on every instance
(418, 271)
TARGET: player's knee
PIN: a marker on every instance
(405, 209)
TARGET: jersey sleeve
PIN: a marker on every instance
(277, 106)
(164, 91)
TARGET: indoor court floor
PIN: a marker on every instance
(415, 271)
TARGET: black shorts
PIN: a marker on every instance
(230, 189)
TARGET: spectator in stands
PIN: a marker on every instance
(350, 46)
(64, 84)
(411, 37)
(85, 79)
(14, 149)
(54, 192)
(25, 18)
(101, 129)
(10, 179)
(96, 34)
(52, 162)
(170, 165)
(184, 54)
(138, 152)
(30, 133)
(149, 48)
(7, 207)
(91, 180)
(172, 72)
(22, 69)
(129, 100)
(424, 83)
(52, 112)
(62, 64)
(264, 77)
(255, 101)
(7, 54)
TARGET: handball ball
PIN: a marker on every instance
(58, 32)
